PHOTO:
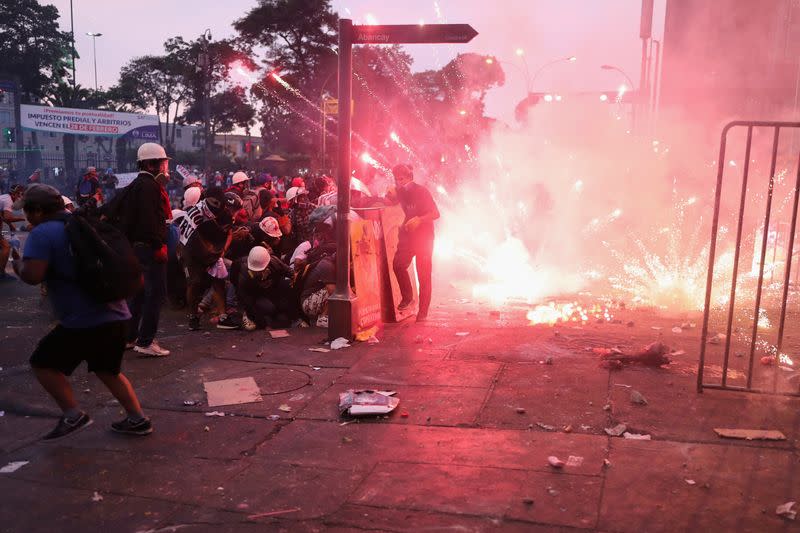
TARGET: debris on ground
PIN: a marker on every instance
(215, 413)
(418, 339)
(606, 463)
(555, 462)
(367, 334)
(527, 501)
(636, 436)
(549, 360)
(462, 333)
(367, 402)
(273, 513)
(690, 482)
(206, 429)
(320, 350)
(637, 398)
(655, 328)
(545, 426)
(273, 417)
(568, 429)
(750, 434)
(607, 407)
(574, 461)
(12, 467)
(617, 430)
(718, 338)
(654, 354)
(190, 402)
(97, 497)
(232, 391)
(768, 360)
(285, 408)
(520, 410)
(677, 329)
(787, 510)
(339, 343)
(278, 333)
(688, 325)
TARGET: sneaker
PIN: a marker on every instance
(248, 324)
(66, 427)
(129, 427)
(194, 322)
(322, 321)
(154, 349)
(228, 322)
(130, 345)
(405, 304)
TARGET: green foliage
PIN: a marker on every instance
(32, 47)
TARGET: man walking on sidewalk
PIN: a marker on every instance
(87, 330)
(415, 238)
(144, 211)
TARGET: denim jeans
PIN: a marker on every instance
(408, 249)
(145, 307)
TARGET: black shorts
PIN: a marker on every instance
(63, 349)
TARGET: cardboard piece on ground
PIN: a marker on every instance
(367, 402)
(278, 333)
(232, 391)
(320, 350)
(750, 434)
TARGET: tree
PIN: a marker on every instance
(299, 37)
(32, 47)
(229, 109)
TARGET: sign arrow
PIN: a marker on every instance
(413, 34)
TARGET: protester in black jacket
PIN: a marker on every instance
(143, 212)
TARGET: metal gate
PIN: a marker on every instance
(776, 128)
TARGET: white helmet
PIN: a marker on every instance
(270, 226)
(240, 177)
(66, 201)
(258, 259)
(151, 151)
(190, 179)
(294, 192)
(191, 196)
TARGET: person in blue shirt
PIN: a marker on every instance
(87, 330)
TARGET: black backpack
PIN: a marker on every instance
(105, 264)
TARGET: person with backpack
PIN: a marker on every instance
(142, 211)
(88, 328)
(88, 187)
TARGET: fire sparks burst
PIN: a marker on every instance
(553, 313)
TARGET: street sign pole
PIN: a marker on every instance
(341, 302)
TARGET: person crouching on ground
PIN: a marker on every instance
(261, 289)
(205, 235)
(86, 331)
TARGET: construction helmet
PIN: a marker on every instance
(240, 177)
(258, 259)
(149, 151)
(294, 192)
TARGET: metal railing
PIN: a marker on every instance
(776, 128)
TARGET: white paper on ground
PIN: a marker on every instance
(13, 466)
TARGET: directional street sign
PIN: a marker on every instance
(413, 34)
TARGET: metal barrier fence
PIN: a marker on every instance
(776, 128)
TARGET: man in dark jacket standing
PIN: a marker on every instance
(415, 239)
(144, 211)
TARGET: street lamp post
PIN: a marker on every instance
(630, 83)
(94, 36)
(72, 38)
(570, 59)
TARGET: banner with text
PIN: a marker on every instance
(89, 122)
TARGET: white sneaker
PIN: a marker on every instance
(247, 324)
(322, 321)
(154, 349)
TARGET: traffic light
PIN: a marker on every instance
(9, 135)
